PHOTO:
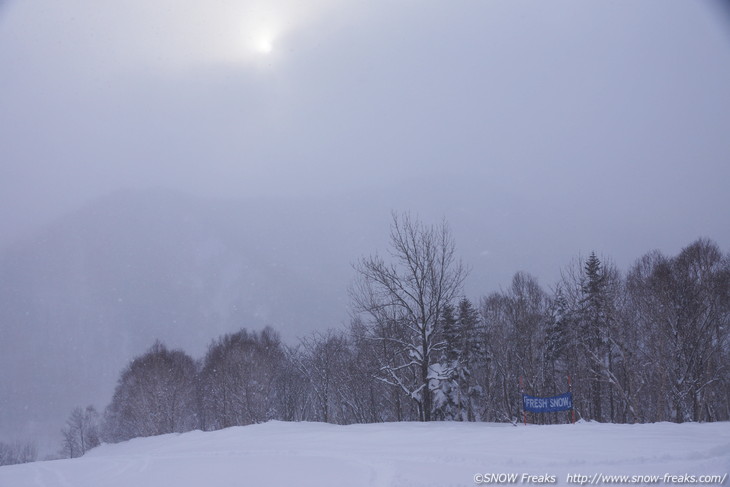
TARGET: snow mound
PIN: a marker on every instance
(395, 454)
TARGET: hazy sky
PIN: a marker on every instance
(622, 106)
(540, 129)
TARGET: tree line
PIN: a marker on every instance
(647, 345)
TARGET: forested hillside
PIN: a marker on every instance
(646, 345)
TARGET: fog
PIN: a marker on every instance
(272, 139)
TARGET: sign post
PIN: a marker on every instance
(570, 390)
(524, 411)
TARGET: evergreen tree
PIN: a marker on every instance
(472, 355)
(598, 312)
(557, 331)
(593, 326)
(450, 327)
(446, 373)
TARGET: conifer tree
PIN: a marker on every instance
(593, 325)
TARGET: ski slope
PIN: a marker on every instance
(396, 454)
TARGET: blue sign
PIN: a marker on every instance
(563, 402)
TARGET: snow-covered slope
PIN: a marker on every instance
(403, 454)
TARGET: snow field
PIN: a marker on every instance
(387, 455)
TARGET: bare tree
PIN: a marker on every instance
(292, 402)
(324, 362)
(81, 433)
(239, 378)
(17, 452)
(155, 395)
(684, 302)
(401, 302)
(515, 323)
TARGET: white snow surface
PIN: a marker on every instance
(391, 454)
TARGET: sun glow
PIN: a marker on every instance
(261, 41)
(264, 46)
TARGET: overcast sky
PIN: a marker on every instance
(541, 129)
(620, 106)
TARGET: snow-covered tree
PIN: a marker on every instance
(455, 388)
(401, 302)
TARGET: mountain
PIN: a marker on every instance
(97, 287)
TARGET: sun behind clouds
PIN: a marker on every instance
(257, 41)
(265, 46)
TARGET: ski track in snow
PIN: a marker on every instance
(385, 455)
